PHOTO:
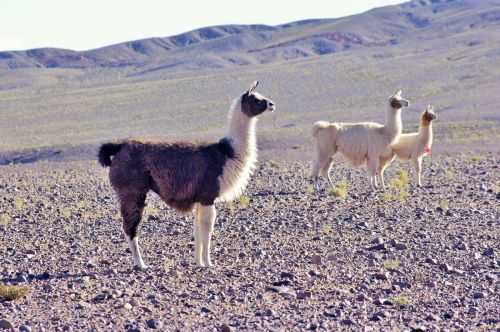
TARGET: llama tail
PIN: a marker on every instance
(317, 126)
(106, 151)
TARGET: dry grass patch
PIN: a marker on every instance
(11, 293)
(398, 188)
(340, 190)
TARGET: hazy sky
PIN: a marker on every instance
(86, 24)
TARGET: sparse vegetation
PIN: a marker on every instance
(18, 204)
(444, 204)
(449, 174)
(66, 212)
(400, 300)
(326, 229)
(274, 163)
(398, 188)
(309, 189)
(4, 219)
(243, 201)
(12, 293)
(476, 158)
(340, 189)
(391, 264)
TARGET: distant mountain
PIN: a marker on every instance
(235, 45)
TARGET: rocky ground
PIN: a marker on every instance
(287, 258)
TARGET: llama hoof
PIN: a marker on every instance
(204, 265)
(141, 267)
(208, 263)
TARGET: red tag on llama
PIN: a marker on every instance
(427, 151)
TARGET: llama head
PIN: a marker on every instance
(428, 115)
(253, 103)
(396, 101)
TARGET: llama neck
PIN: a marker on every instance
(425, 134)
(393, 124)
(241, 132)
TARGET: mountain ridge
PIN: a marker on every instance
(226, 46)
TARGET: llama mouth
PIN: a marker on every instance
(271, 108)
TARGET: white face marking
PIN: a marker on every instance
(261, 97)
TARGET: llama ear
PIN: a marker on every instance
(430, 108)
(253, 87)
(398, 93)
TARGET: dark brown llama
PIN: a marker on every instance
(186, 175)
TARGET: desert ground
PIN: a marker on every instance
(287, 258)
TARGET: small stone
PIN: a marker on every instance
(433, 318)
(21, 278)
(152, 324)
(101, 297)
(378, 316)
(430, 260)
(377, 247)
(82, 305)
(478, 295)
(303, 295)
(461, 246)
(6, 325)
(267, 313)
(312, 326)
(287, 275)
(347, 321)
(24, 328)
(127, 306)
(362, 297)
(381, 276)
(205, 310)
(489, 252)
(225, 328)
(450, 315)
(400, 246)
(418, 328)
(381, 301)
(91, 264)
(314, 273)
(316, 259)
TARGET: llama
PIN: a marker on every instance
(413, 146)
(186, 175)
(360, 143)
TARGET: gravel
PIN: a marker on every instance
(289, 259)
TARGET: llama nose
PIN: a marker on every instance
(270, 103)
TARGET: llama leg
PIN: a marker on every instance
(372, 165)
(315, 173)
(197, 236)
(207, 218)
(417, 164)
(131, 210)
(381, 172)
(381, 175)
(327, 170)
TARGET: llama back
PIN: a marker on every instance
(355, 141)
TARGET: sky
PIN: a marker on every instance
(88, 24)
